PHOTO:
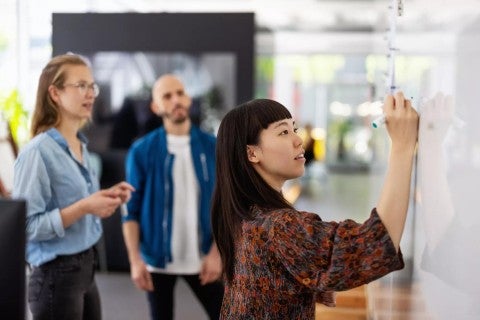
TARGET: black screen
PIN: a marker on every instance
(12, 259)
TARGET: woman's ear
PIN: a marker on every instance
(252, 154)
(53, 93)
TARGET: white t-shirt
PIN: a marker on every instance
(185, 237)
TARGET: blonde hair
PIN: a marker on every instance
(46, 113)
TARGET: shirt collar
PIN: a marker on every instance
(57, 136)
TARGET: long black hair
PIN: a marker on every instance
(238, 186)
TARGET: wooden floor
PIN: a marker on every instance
(379, 302)
(397, 302)
(351, 305)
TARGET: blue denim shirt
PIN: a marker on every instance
(48, 176)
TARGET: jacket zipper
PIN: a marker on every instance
(203, 159)
(165, 207)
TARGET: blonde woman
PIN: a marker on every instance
(65, 206)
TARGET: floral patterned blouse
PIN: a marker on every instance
(287, 260)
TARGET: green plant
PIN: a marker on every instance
(12, 111)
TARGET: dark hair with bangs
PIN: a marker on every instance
(238, 186)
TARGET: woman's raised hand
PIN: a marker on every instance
(401, 121)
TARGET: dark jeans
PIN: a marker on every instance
(161, 299)
(65, 288)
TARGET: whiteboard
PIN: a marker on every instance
(447, 213)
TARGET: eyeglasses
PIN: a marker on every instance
(83, 87)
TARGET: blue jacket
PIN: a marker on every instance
(149, 170)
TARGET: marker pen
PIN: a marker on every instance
(378, 121)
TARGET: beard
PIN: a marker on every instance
(176, 116)
(178, 120)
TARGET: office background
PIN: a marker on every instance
(327, 61)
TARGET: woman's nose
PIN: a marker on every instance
(298, 140)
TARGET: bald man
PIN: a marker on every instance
(167, 228)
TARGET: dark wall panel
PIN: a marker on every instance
(161, 32)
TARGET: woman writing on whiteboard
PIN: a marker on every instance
(278, 261)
